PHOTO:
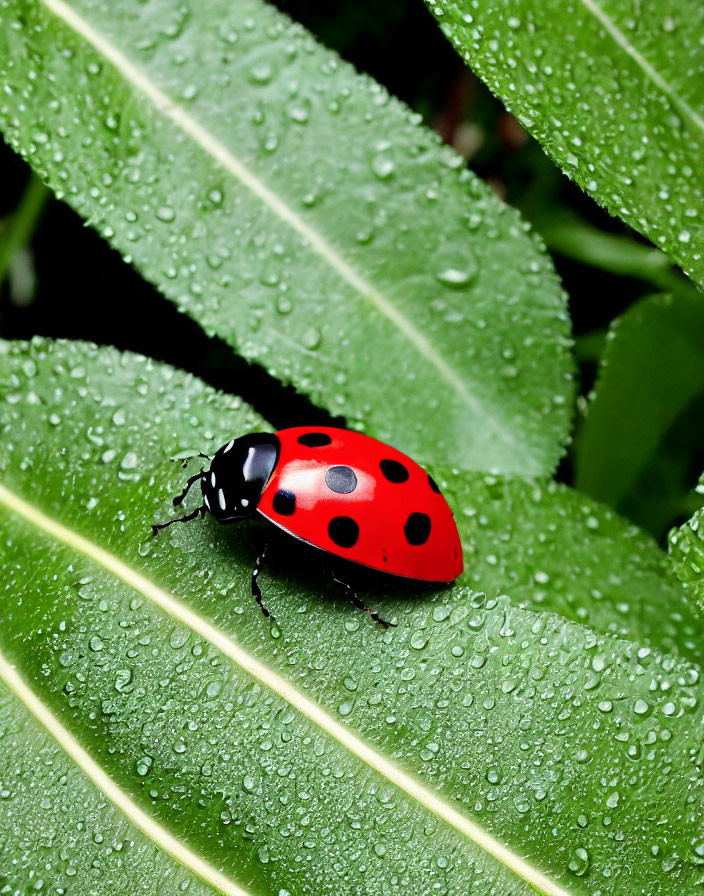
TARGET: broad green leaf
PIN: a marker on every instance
(651, 370)
(293, 208)
(553, 549)
(614, 92)
(476, 747)
(666, 492)
(57, 830)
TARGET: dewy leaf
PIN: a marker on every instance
(652, 368)
(614, 92)
(477, 747)
(551, 548)
(293, 208)
(687, 550)
(44, 797)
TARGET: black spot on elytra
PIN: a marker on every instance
(343, 531)
(434, 485)
(341, 479)
(393, 470)
(284, 503)
(314, 439)
(417, 528)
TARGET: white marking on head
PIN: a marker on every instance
(212, 479)
(221, 499)
(245, 502)
(246, 467)
(207, 502)
(228, 446)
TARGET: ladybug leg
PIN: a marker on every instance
(358, 602)
(179, 498)
(182, 519)
(256, 590)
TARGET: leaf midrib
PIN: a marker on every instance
(268, 677)
(622, 40)
(172, 110)
(156, 832)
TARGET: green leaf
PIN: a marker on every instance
(565, 233)
(297, 211)
(666, 492)
(613, 92)
(553, 549)
(477, 746)
(15, 239)
(652, 369)
(59, 831)
(687, 550)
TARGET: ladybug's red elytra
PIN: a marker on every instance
(345, 493)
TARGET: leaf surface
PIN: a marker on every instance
(651, 370)
(466, 749)
(553, 549)
(613, 91)
(687, 550)
(54, 818)
(294, 209)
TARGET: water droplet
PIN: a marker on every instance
(300, 111)
(262, 73)
(165, 213)
(144, 765)
(311, 338)
(455, 278)
(419, 639)
(123, 677)
(382, 166)
(345, 708)
(178, 638)
(248, 783)
(579, 862)
(129, 461)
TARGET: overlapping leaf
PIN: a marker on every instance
(687, 550)
(614, 92)
(293, 208)
(554, 549)
(640, 391)
(279, 754)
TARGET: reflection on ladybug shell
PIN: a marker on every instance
(363, 500)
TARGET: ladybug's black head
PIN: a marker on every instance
(238, 474)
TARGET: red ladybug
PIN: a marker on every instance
(338, 490)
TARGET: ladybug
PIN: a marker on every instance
(345, 493)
